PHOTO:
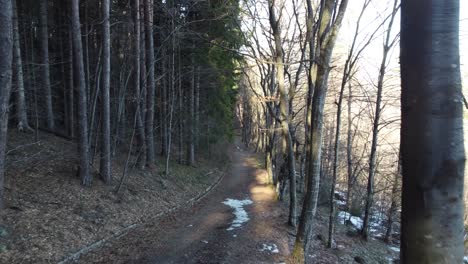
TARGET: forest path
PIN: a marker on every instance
(202, 233)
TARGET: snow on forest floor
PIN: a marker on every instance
(240, 214)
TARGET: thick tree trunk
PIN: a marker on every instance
(21, 112)
(45, 71)
(84, 169)
(432, 147)
(150, 93)
(6, 57)
(105, 165)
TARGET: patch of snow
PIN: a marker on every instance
(395, 249)
(234, 235)
(465, 260)
(239, 212)
(190, 225)
(270, 247)
(355, 221)
(204, 241)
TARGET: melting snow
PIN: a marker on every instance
(270, 247)
(355, 221)
(239, 212)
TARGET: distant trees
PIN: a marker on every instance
(432, 148)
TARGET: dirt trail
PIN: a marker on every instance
(200, 235)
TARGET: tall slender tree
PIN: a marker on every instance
(45, 66)
(105, 167)
(432, 148)
(6, 57)
(21, 111)
(150, 91)
(84, 170)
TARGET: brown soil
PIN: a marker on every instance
(49, 215)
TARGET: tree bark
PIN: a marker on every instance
(45, 71)
(6, 58)
(84, 169)
(432, 146)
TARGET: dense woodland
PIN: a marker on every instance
(131, 74)
(348, 104)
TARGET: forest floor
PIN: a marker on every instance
(239, 222)
(49, 215)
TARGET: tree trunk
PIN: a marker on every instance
(327, 37)
(287, 144)
(150, 91)
(21, 112)
(84, 170)
(6, 57)
(349, 152)
(45, 72)
(137, 82)
(191, 148)
(105, 166)
(432, 147)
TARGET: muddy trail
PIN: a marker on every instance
(238, 222)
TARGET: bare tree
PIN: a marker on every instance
(329, 26)
(388, 44)
(287, 144)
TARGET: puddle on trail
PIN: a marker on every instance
(239, 212)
